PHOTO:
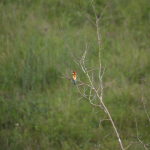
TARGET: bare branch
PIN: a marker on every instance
(105, 25)
(81, 62)
(85, 14)
(104, 10)
(137, 136)
(93, 10)
(128, 146)
(76, 61)
(112, 81)
(144, 105)
(108, 135)
(140, 76)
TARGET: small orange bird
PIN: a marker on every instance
(73, 77)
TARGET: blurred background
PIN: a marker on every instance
(42, 111)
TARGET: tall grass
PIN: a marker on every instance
(40, 110)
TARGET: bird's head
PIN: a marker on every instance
(73, 72)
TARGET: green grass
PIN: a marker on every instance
(40, 110)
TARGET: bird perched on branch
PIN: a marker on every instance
(73, 77)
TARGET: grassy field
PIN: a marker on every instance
(40, 110)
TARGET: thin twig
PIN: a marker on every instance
(85, 14)
(105, 25)
(104, 10)
(76, 61)
(144, 105)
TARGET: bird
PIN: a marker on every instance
(73, 77)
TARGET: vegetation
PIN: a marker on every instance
(42, 111)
